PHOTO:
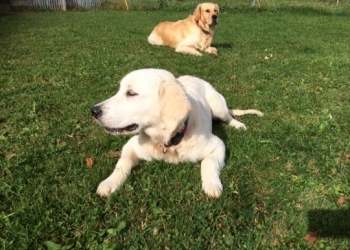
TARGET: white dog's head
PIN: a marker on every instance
(148, 100)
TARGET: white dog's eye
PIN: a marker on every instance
(207, 11)
(130, 93)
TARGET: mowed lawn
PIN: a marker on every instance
(284, 175)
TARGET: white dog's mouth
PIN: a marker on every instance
(125, 130)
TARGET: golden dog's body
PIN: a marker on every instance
(190, 34)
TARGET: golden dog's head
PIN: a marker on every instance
(207, 13)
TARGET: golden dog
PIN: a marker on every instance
(190, 34)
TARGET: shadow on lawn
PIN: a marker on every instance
(330, 223)
(219, 130)
(222, 45)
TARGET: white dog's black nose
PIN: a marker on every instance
(96, 111)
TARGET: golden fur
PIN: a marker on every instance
(190, 34)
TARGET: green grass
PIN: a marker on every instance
(283, 176)
(320, 6)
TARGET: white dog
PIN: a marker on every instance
(173, 120)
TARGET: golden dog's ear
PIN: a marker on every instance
(217, 7)
(174, 105)
(197, 13)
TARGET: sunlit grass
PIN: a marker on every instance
(292, 66)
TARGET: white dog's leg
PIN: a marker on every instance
(211, 167)
(187, 50)
(121, 172)
(220, 110)
(238, 112)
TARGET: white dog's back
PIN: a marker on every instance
(199, 88)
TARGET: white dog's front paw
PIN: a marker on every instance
(107, 187)
(212, 188)
(238, 125)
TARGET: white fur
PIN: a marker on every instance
(160, 106)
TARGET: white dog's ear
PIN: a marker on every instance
(174, 104)
(197, 13)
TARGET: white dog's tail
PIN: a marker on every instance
(239, 112)
(155, 39)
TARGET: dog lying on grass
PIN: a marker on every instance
(173, 122)
(190, 34)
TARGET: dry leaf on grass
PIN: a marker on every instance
(114, 154)
(89, 162)
(235, 193)
(311, 237)
(342, 200)
(10, 156)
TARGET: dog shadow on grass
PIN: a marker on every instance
(329, 223)
(219, 130)
(222, 45)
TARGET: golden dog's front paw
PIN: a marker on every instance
(196, 53)
(214, 51)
